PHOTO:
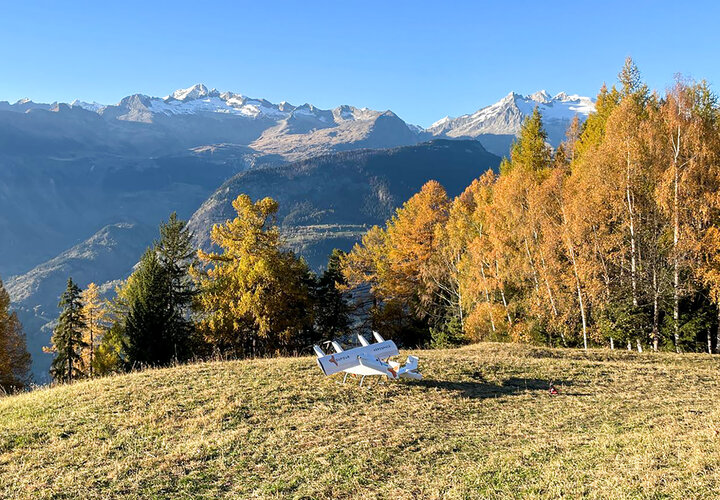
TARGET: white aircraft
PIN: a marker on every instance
(368, 359)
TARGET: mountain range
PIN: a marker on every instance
(82, 185)
(197, 116)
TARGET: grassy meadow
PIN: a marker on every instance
(482, 424)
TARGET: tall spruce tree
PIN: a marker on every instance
(176, 255)
(531, 152)
(14, 357)
(154, 323)
(332, 316)
(67, 338)
(150, 326)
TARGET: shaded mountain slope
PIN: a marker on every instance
(331, 200)
(108, 255)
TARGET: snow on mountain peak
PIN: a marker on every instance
(95, 107)
(505, 117)
(440, 123)
(541, 96)
(195, 92)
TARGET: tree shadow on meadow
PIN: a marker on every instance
(479, 388)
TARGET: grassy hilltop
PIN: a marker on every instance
(481, 424)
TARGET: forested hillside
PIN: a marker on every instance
(330, 201)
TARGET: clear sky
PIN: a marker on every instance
(423, 60)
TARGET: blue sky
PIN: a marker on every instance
(423, 60)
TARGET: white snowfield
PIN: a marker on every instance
(506, 115)
(198, 99)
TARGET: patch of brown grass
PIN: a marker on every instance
(481, 424)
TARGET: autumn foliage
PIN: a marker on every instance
(612, 238)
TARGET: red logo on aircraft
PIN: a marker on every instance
(394, 373)
(333, 360)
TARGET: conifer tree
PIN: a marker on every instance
(398, 263)
(478, 290)
(614, 237)
(332, 316)
(14, 357)
(531, 151)
(150, 325)
(95, 314)
(177, 255)
(255, 296)
(110, 356)
(67, 339)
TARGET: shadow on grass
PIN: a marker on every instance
(482, 389)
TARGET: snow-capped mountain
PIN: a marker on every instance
(24, 105)
(197, 100)
(500, 122)
(197, 116)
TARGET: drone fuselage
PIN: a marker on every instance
(367, 359)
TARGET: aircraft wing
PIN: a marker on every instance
(337, 362)
(372, 353)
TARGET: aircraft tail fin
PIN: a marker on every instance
(318, 352)
(409, 370)
(378, 337)
(363, 340)
(336, 346)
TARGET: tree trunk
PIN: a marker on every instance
(547, 283)
(633, 247)
(612, 344)
(717, 334)
(676, 272)
(580, 297)
(571, 251)
(606, 274)
(639, 346)
(460, 310)
(676, 238)
(502, 292)
(709, 341)
(656, 312)
(534, 272)
(487, 296)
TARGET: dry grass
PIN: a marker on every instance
(482, 424)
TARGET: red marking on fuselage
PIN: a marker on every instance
(333, 360)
